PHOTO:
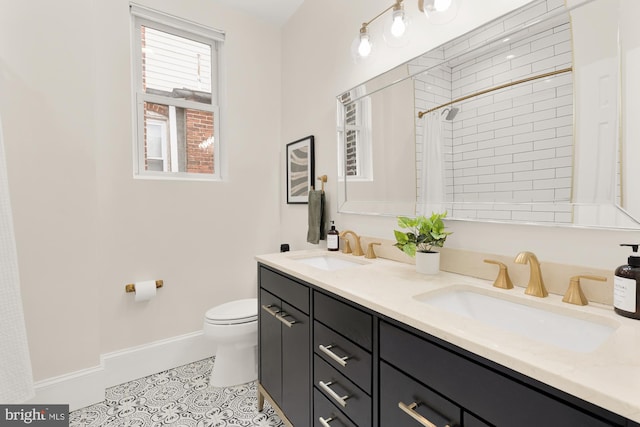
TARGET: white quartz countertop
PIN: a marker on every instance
(608, 376)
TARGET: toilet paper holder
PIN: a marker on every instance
(131, 287)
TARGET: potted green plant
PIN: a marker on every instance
(424, 234)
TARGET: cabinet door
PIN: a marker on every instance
(405, 402)
(296, 361)
(270, 346)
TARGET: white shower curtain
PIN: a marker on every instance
(16, 380)
(432, 173)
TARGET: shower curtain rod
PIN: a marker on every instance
(502, 86)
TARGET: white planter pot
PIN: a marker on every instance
(428, 262)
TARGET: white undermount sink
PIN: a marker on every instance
(329, 262)
(552, 325)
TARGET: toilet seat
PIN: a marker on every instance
(233, 313)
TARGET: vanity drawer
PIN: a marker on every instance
(323, 408)
(335, 386)
(289, 290)
(491, 395)
(344, 318)
(469, 420)
(397, 389)
(358, 365)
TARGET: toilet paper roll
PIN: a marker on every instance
(145, 290)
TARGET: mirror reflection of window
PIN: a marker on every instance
(355, 159)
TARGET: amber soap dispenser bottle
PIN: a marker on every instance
(333, 241)
(626, 295)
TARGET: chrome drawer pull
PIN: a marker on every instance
(410, 410)
(281, 317)
(333, 394)
(268, 309)
(341, 360)
(325, 423)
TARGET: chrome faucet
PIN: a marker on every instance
(536, 285)
(357, 251)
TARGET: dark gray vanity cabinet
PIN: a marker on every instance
(342, 365)
(284, 369)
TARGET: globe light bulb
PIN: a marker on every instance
(398, 27)
(364, 48)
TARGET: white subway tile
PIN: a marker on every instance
(534, 175)
(513, 92)
(501, 106)
(555, 62)
(477, 86)
(543, 144)
(563, 218)
(566, 172)
(516, 148)
(563, 194)
(478, 188)
(514, 130)
(502, 177)
(534, 136)
(495, 142)
(483, 119)
(559, 162)
(495, 124)
(484, 170)
(466, 180)
(514, 167)
(477, 154)
(566, 110)
(486, 34)
(463, 148)
(474, 68)
(553, 123)
(557, 102)
(514, 186)
(477, 137)
(564, 131)
(472, 163)
(564, 151)
(513, 74)
(543, 184)
(514, 111)
(497, 160)
(551, 40)
(536, 55)
(535, 155)
(535, 117)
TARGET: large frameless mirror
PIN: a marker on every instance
(521, 120)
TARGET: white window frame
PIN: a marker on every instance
(364, 159)
(142, 16)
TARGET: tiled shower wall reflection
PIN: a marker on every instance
(514, 145)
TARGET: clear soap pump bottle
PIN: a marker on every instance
(333, 240)
(626, 295)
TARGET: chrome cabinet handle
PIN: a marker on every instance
(341, 360)
(333, 394)
(410, 410)
(325, 423)
(268, 309)
(281, 317)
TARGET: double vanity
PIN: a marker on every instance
(347, 341)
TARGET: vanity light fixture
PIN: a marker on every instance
(438, 11)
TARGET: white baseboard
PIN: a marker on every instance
(86, 387)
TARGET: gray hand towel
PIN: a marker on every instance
(316, 217)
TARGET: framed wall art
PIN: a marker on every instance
(300, 170)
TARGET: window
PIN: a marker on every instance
(177, 114)
(354, 138)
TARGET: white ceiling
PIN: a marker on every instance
(274, 11)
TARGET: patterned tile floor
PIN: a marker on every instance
(178, 397)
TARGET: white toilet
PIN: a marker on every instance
(234, 328)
